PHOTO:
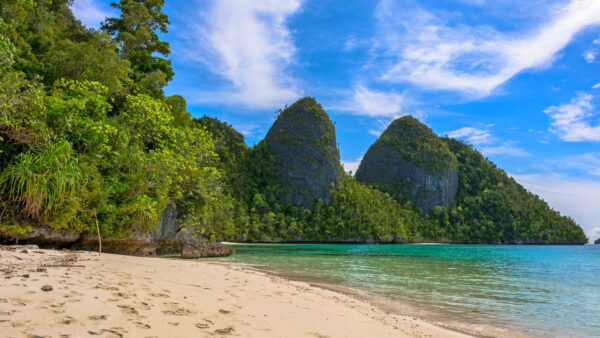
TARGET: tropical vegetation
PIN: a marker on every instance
(87, 133)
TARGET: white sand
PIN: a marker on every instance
(114, 296)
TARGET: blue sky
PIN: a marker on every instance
(520, 80)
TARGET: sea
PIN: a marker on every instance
(487, 290)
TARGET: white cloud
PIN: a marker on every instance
(89, 13)
(590, 55)
(506, 149)
(472, 135)
(375, 132)
(249, 45)
(588, 163)
(351, 166)
(594, 233)
(596, 86)
(487, 143)
(375, 103)
(350, 44)
(572, 120)
(573, 197)
(473, 60)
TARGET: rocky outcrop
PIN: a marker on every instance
(410, 162)
(45, 237)
(198, 250)
(306, 158)
(169, 238)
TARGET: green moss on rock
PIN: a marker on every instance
(306, 157)
(411, 162)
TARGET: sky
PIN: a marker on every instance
(519, 80)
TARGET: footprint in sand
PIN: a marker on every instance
(98, 317)
(67, 320)
(120, 294)
(202, 326)
(178, 312)
(142, 325)
(145, 305)
(160, 295)
(113, 332)
(227, 330)
(126, 309)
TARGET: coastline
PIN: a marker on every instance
(386, 305)
(114, 295)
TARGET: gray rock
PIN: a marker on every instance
(25, 247)
(198, 250)
(409, 160)
(169, 238)
(306, 157)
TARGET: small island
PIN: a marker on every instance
(102, 163)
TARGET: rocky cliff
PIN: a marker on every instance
(410, 162)
(306, 159)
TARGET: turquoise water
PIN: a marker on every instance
(534, 290)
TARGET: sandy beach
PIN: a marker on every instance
(125, 296)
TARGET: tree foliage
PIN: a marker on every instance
(85, 129)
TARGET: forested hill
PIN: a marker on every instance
(89, 141)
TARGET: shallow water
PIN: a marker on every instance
(535, 290)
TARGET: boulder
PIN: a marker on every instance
(198, 250)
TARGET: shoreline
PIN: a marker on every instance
(114, 295)
(387, 305)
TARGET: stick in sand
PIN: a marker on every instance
(98, 229)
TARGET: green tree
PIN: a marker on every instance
(136, 33)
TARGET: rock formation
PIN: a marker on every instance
(169, 238)
(410, 162)
(306, 158)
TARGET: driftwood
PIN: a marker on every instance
(98, 229)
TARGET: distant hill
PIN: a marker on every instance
(465, 197)
(411, 163)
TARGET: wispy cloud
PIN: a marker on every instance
(506, 149)
(487, 143)
(572, 196)
(374, 103)
(248, 44)
(590, 55)
(433, 54)
(588, 163)
(573, 121)
(90, 13)
(472, 135)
